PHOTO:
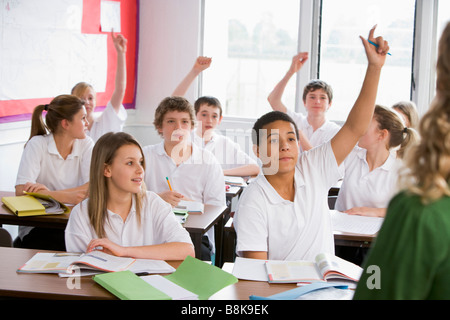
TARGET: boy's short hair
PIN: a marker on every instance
(313, 85)
(168, 104)
(208, 100)
(269, 118)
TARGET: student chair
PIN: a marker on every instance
(5, 238)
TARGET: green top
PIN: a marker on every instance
(412, 251)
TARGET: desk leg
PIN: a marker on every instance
(218, 233)
(197, 241)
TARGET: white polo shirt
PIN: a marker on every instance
(199, 178)
(227, 152)
(108, 121)
(361, 188)
(158, 226)
(42, 163)
(323, 134)
(297, 230)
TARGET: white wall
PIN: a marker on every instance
(168, 47)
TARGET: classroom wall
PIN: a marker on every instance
(169, 43)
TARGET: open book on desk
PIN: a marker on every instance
(326, 267)
(235, 181)
(191, 207)
(355, 224)
(66, 264)
(34, 204)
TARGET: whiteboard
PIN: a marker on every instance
(44, 53)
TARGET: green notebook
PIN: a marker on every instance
(194, 275)
(128, 286)
(201, 278)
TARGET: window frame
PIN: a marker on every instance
(423, 67)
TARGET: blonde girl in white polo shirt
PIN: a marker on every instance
(114, 115)
(371, 169)
(283, 214)
(55, 161)
(120, 217)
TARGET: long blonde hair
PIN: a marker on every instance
(103, 154)
(428, 163)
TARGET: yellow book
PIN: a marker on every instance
(34, 204)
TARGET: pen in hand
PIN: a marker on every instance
(374, 44)
(168, 182)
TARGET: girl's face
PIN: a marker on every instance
(209, 116)
(126, 172)
(372, 137)
(278, 148)
(176, 127)
(78, 125)
(89, 97)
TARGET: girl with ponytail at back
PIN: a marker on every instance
(55, 161)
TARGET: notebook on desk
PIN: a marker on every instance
(34, 204)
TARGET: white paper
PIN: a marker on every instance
(250, 269)
(151, 266)
(168, 287)
(43, 50)
(191, 206)
(355, 224)
(110, 16)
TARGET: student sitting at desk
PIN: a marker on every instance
(114, 115)
(283, 214)
(193, 173)
(55, 161)
(315, 129)
(208, 112)
(411, 256)
(120, 217)
(371, 169)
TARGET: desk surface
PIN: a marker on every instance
(194, 223)
(51, 286)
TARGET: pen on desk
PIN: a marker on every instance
(374, 44)
(168, 182)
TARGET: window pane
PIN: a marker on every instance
(342, 58)
(251, 43)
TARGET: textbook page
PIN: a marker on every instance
(333, 267)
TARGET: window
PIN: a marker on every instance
(251, 43)
(342, 61)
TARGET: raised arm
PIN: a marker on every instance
(201, 64)
(275, 96)
(361, 114)
(120, 43)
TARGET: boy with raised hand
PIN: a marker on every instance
(315, 129)
(283, 214)
(208, 112)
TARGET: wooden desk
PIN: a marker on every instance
(196, 225)
(58, 221)
(199, 224)
(353, 240)
(51, 286)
